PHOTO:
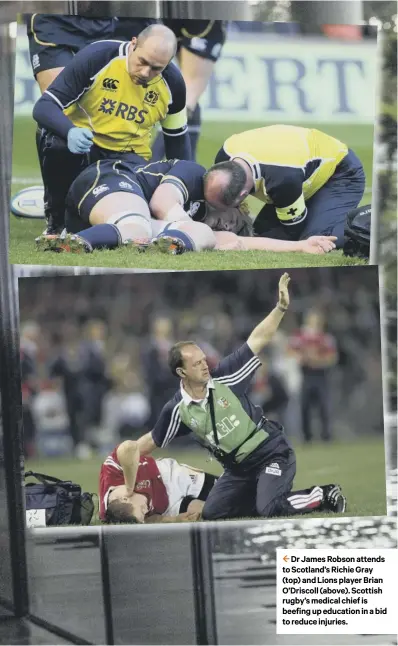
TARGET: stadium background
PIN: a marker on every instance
(94, 359)
(267, 73)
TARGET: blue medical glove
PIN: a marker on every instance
(79, 140)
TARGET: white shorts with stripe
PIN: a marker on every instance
(180, 481)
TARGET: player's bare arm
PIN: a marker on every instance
(167, 203)
(227, 241)
(263, 333)
(146, 444)
(128, 454)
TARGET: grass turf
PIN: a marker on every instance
(357, 466)
(23, 231)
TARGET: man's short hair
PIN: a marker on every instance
(175, 356)
(236, 180)
(119, 512)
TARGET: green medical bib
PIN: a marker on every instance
(233, 423)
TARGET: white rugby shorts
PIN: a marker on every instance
(180, 481)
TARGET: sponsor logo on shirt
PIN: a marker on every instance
(142, 484)
(193, 209)
(110, 84)
(151, 97)
(100, 189)
(224, 403)
(122, 110)
(224, 428)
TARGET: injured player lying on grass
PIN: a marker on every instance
(134, 489)
(160, 206)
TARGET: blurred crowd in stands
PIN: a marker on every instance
(94, 351)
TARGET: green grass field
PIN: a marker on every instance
(23, 231)
(357, 466)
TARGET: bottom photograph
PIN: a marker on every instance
(153, 398)
(211, 583)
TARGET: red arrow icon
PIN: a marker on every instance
(286, 558)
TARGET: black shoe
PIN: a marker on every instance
(55, 221)
(333, 499)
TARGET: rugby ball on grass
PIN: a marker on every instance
(28, 203)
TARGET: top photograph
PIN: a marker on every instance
(192, 144)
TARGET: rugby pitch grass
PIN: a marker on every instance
(23, 231)
(358, 466)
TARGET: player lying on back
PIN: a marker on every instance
(307, 180)
(134, 489)
(161, 204)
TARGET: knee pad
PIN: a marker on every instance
(124, 222)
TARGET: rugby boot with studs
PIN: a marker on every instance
(168, 244)
(63, 243)
(334, 500)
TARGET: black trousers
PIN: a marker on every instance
(263, 491)
(60, 167)
(315, 395)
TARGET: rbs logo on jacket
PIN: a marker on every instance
(122, 110)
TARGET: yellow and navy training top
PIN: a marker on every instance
(289, 165)
(95, 91)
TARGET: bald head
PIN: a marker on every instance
(150, 53)
(162, 40)
(224, 184)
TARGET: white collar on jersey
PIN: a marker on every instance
(187, 399)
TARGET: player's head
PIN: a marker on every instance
(188, 362)
(126, 509)
(225, 185)
(150, 53)
(314, 320)
(162, 327)
(233, 219)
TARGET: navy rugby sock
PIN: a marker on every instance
(102, 236)
(194, 123)
(181, 235)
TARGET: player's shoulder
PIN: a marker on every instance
(173, 77)
(103, 51)
(112, 460)
(188, 168)
(173, 404)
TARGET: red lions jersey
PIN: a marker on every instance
(149, 483)
(311, 344)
